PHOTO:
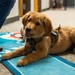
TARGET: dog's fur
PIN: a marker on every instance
(37, 25)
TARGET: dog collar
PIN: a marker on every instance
(54, 37)
(33, 41)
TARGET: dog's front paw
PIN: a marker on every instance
(5, 56)
(22, 62)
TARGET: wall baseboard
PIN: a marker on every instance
(10, 20)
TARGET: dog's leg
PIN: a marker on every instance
(18, 52)
(32, 57)
(15, 53)
(72, 35)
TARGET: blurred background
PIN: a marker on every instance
(23, 6)
(61, 12)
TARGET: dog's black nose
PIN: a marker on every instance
(28, 29)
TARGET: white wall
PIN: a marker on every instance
(15, 10)
(32, 5)
(45, 4)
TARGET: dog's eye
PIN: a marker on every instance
(37, 23)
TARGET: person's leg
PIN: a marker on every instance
(5, 8)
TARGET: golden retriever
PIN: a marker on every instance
(41, 37)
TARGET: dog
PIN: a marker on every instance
(41, 38)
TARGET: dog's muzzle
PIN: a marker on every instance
(27, 34)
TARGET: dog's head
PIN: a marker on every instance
(36, 24)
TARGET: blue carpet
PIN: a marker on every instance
(51, 65)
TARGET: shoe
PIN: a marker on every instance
(1, 48)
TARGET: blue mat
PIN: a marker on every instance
(51, 65)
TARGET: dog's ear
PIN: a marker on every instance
(47, 25)
(25, 17)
